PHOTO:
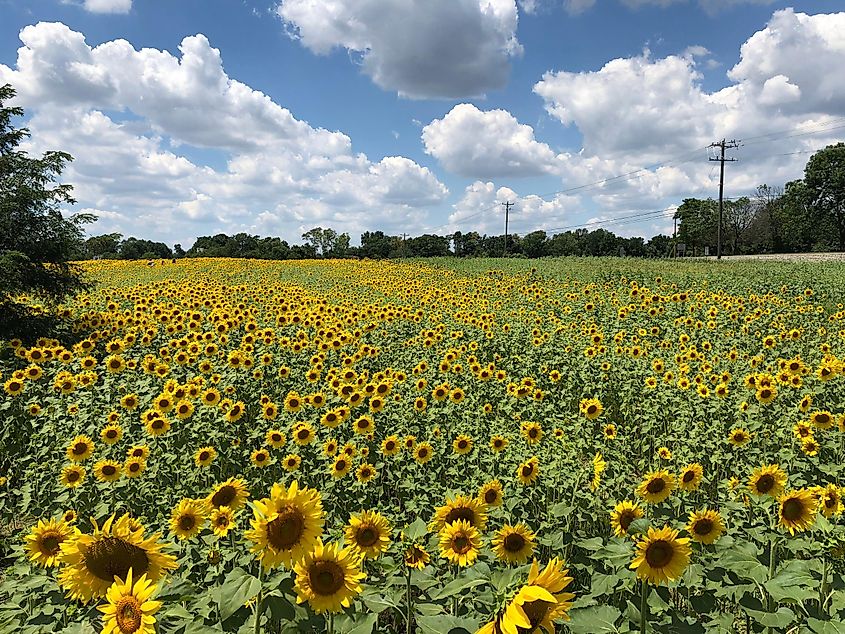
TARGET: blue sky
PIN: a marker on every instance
(203, 116)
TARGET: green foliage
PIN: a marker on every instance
(825, 181)
(36, 240)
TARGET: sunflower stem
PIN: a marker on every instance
(643, 606)
(772, 606)
(408, 601)
(330, 624)
(259, 599)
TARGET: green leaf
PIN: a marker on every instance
(793, 582)
(239, 587)
(594, 620)
(359, 624)
(444, 623)
(742, 560)
(639, 526)
(781, 619)
(826, 627)
(416, 530)
(456, 586)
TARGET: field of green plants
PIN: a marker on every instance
(495, 446)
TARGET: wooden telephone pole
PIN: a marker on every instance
(721, 158)
(507, 206)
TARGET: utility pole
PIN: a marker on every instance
(675, 236)
(507, 206)
(721, 158)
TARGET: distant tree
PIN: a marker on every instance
(178, 251)
(737, 216)
(36, 240)
(659, 246)
(135, 249)
(698, 220)
(824, 176)
(105, 245)
(427, 246)
(534, 244)
(375, 245)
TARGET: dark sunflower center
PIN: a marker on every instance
(656, 485)
(286, 530)
(340, 465)
(222, 521)
(80, 448)
(514, 542)
(460, 513)
(137, 453)
(625, 519)
(689, 476)
(461, 544)
(822, 419)
(536, 612)
(591, 409)
(658, 554)
(325, 577)
(158, 423)
(367, 536)
(204, 455)
(109, 470)
(128, 615)
(423, 453)
(490, 496)
(365, 473)
(527, 470)
(112, 433)
(50, 542)
(703, 527)
(110, 556)
(532, 433)
(765, 483)
(390, 446)
(187, 522)
(260, 457)
(302, 434)
(224, 496)
(277, 437)
(497, 443)
(73, 476)
(793, 509)
(134, 467)
(462, 444)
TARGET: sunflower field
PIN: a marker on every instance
(490, 446)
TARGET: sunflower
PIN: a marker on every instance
(498, 443)
(134, 467)
(532, 432)
(129, 609)
(739, 437)
(369, 533)
(460, 543)
(513, 544)
(830, 500)
(490, 494)
(260, 457)
(293, 402)
(690, 477)
(204, 456)
(107, 470)
(157, 426)
(810, 446)
(72, 476)
(13, 387)
(91, 562)
(664, 453)
(599, 465)
(270, 411)
(231, 493)
(303, 434)
(767, 480)
(802, 430)
(341, 466)
(222, 520)
(184, 409)
(390, 446)
(609, 431)
(416, 557)
(462, 444)
(528, 471)
(705, 526)
(235, 412)
(138, 451)
(766, 395)
(365, 472)
(275, 438)
(286, 526)
(80, 449)
(328, 578)
(188, 517)
(44, 542)
(661, 556)
(622, 515)
(423, 453)
(461, 507)
(364, 425)
(537, 604)
(656, 486)
(210, 397)
(797, 510)
(822, 419)
(591, 408)
(291, 462)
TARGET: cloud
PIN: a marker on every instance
(281, 174)
(433, 49)
(108, 6)
(486, 144)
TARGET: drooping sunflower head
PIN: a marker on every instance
(830, 501)
(705, 526)
(656, 486)
(622, 515)
(661, 556)
(690, 477)
(462, 507)
(460, 543)
(232, 493)
(416, 557)
(91, 562)
(767, 480)
(797, 510)
(369, 533)
(188, 518)
(328, 578)
(286, 525)
(490, 494)
(514, 544)
(44, 541)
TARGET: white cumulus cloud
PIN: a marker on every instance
(432, 49)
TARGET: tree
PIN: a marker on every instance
(534, 244)
(698, 223)
(738, 217)
(105, 245)
(824, 176)
(36, 240)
